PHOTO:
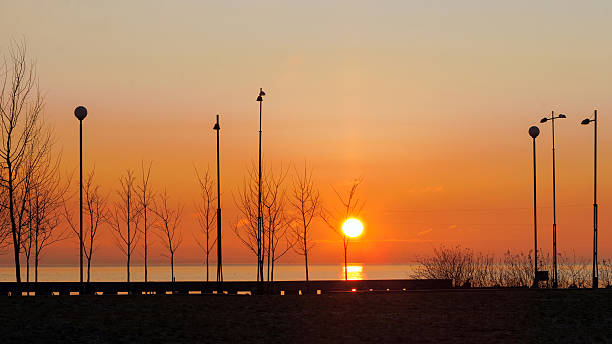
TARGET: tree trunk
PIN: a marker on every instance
(36, 267)
(16, 235)
(345, 270)
(145, 245)
(128, 266)
(28, 268)
(207, 250)
(306, 263)
(88, 268)
(172, 266)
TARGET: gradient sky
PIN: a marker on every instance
(428, 101)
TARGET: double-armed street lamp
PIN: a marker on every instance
(80, 113)
(534, 132)
(587, 121)
(552, 118)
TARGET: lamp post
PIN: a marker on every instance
(80, 113)
(552, 118)
(217, 128)
(260, 248)
(586, 121)
(534, 132)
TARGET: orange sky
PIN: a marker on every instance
(428, 102)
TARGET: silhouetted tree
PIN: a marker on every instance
(206, 215)
(44, 205)
(605, 272)
(456, 263)
(246, 225)
(305, 204)
(146, 198)
(273, 241)
(351, 206)
(96, 214)
(169, 224)
(24, 140)
(275, 219)
(574, 272)
(125, 218)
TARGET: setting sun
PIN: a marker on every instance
(352, 228)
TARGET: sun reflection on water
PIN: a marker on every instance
(354, 272)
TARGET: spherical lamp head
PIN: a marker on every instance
(80, 113)
(534, 131)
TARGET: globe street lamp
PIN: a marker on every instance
(586, 121)
(80, 113)
(534, 132)
(544, 120)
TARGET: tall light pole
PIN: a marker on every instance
(534, 132)
(80, 113)
(217, 128)
(595, 267)
(260, 248)
(544, 120)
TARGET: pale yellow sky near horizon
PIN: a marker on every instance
(428, 101)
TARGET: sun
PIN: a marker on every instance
(352, 228)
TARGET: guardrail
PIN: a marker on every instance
(230, 287)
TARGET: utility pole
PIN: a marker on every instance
(217, 128)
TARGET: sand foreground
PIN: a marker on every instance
(456, 316)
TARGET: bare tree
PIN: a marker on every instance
(574, 271)
(246, 225)
(305, 204)
(273, 241)
(5, 223)
(24, 140)
(275, 219)
(125, 218)
(351, 206)
(146, 198)
(96, 213)
(206, 214)
(44, 204)
(455, 263)
(169, 224)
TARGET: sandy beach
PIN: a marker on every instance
(456, 316)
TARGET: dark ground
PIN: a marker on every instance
(457, 316)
